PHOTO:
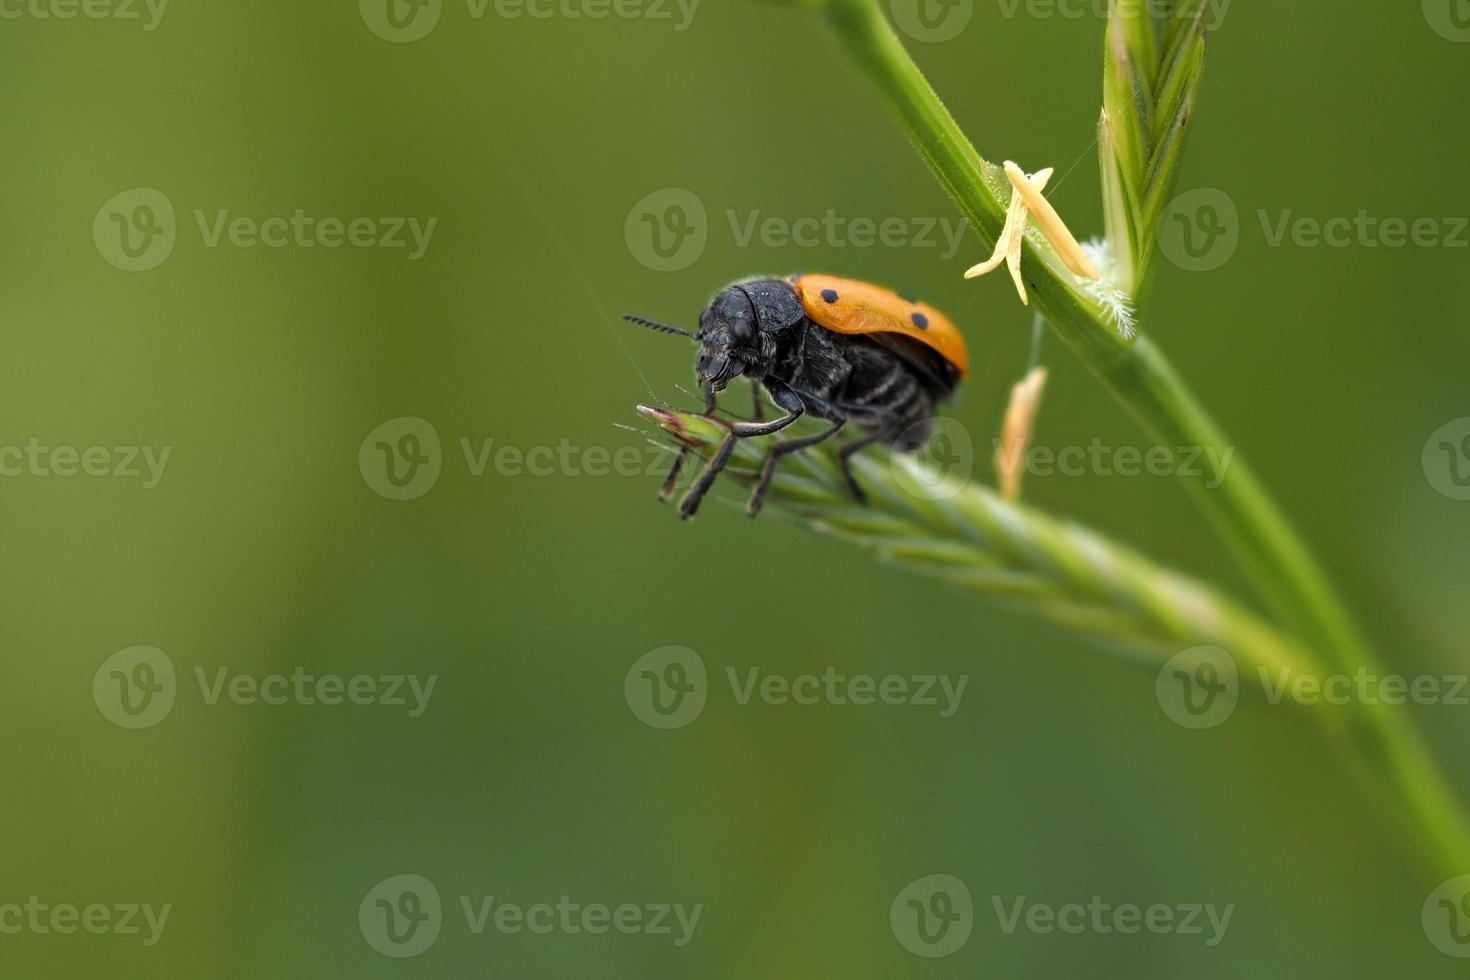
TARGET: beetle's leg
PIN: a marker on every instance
(844, 460)
(768, 471)
(690, 504)
(671, 482)
(784, 397)
(759, 411)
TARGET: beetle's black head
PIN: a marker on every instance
(738, 330)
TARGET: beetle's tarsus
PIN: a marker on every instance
(689, 506)
(768, 471)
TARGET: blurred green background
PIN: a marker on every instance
(263, 548)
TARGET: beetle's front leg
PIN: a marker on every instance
(671, 482)
(783, 396)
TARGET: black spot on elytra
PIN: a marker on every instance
(921, 321)
(830, 295)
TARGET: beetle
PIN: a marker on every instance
(840, 350)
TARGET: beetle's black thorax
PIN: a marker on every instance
(887, 384)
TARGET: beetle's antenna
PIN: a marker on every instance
(652, 325)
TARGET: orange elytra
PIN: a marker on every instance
(852, 306)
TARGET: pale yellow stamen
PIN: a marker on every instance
(1051, 225)
(1015, 432)
(1008, 245)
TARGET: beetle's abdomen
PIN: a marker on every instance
(884, 393)
(867, 380)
